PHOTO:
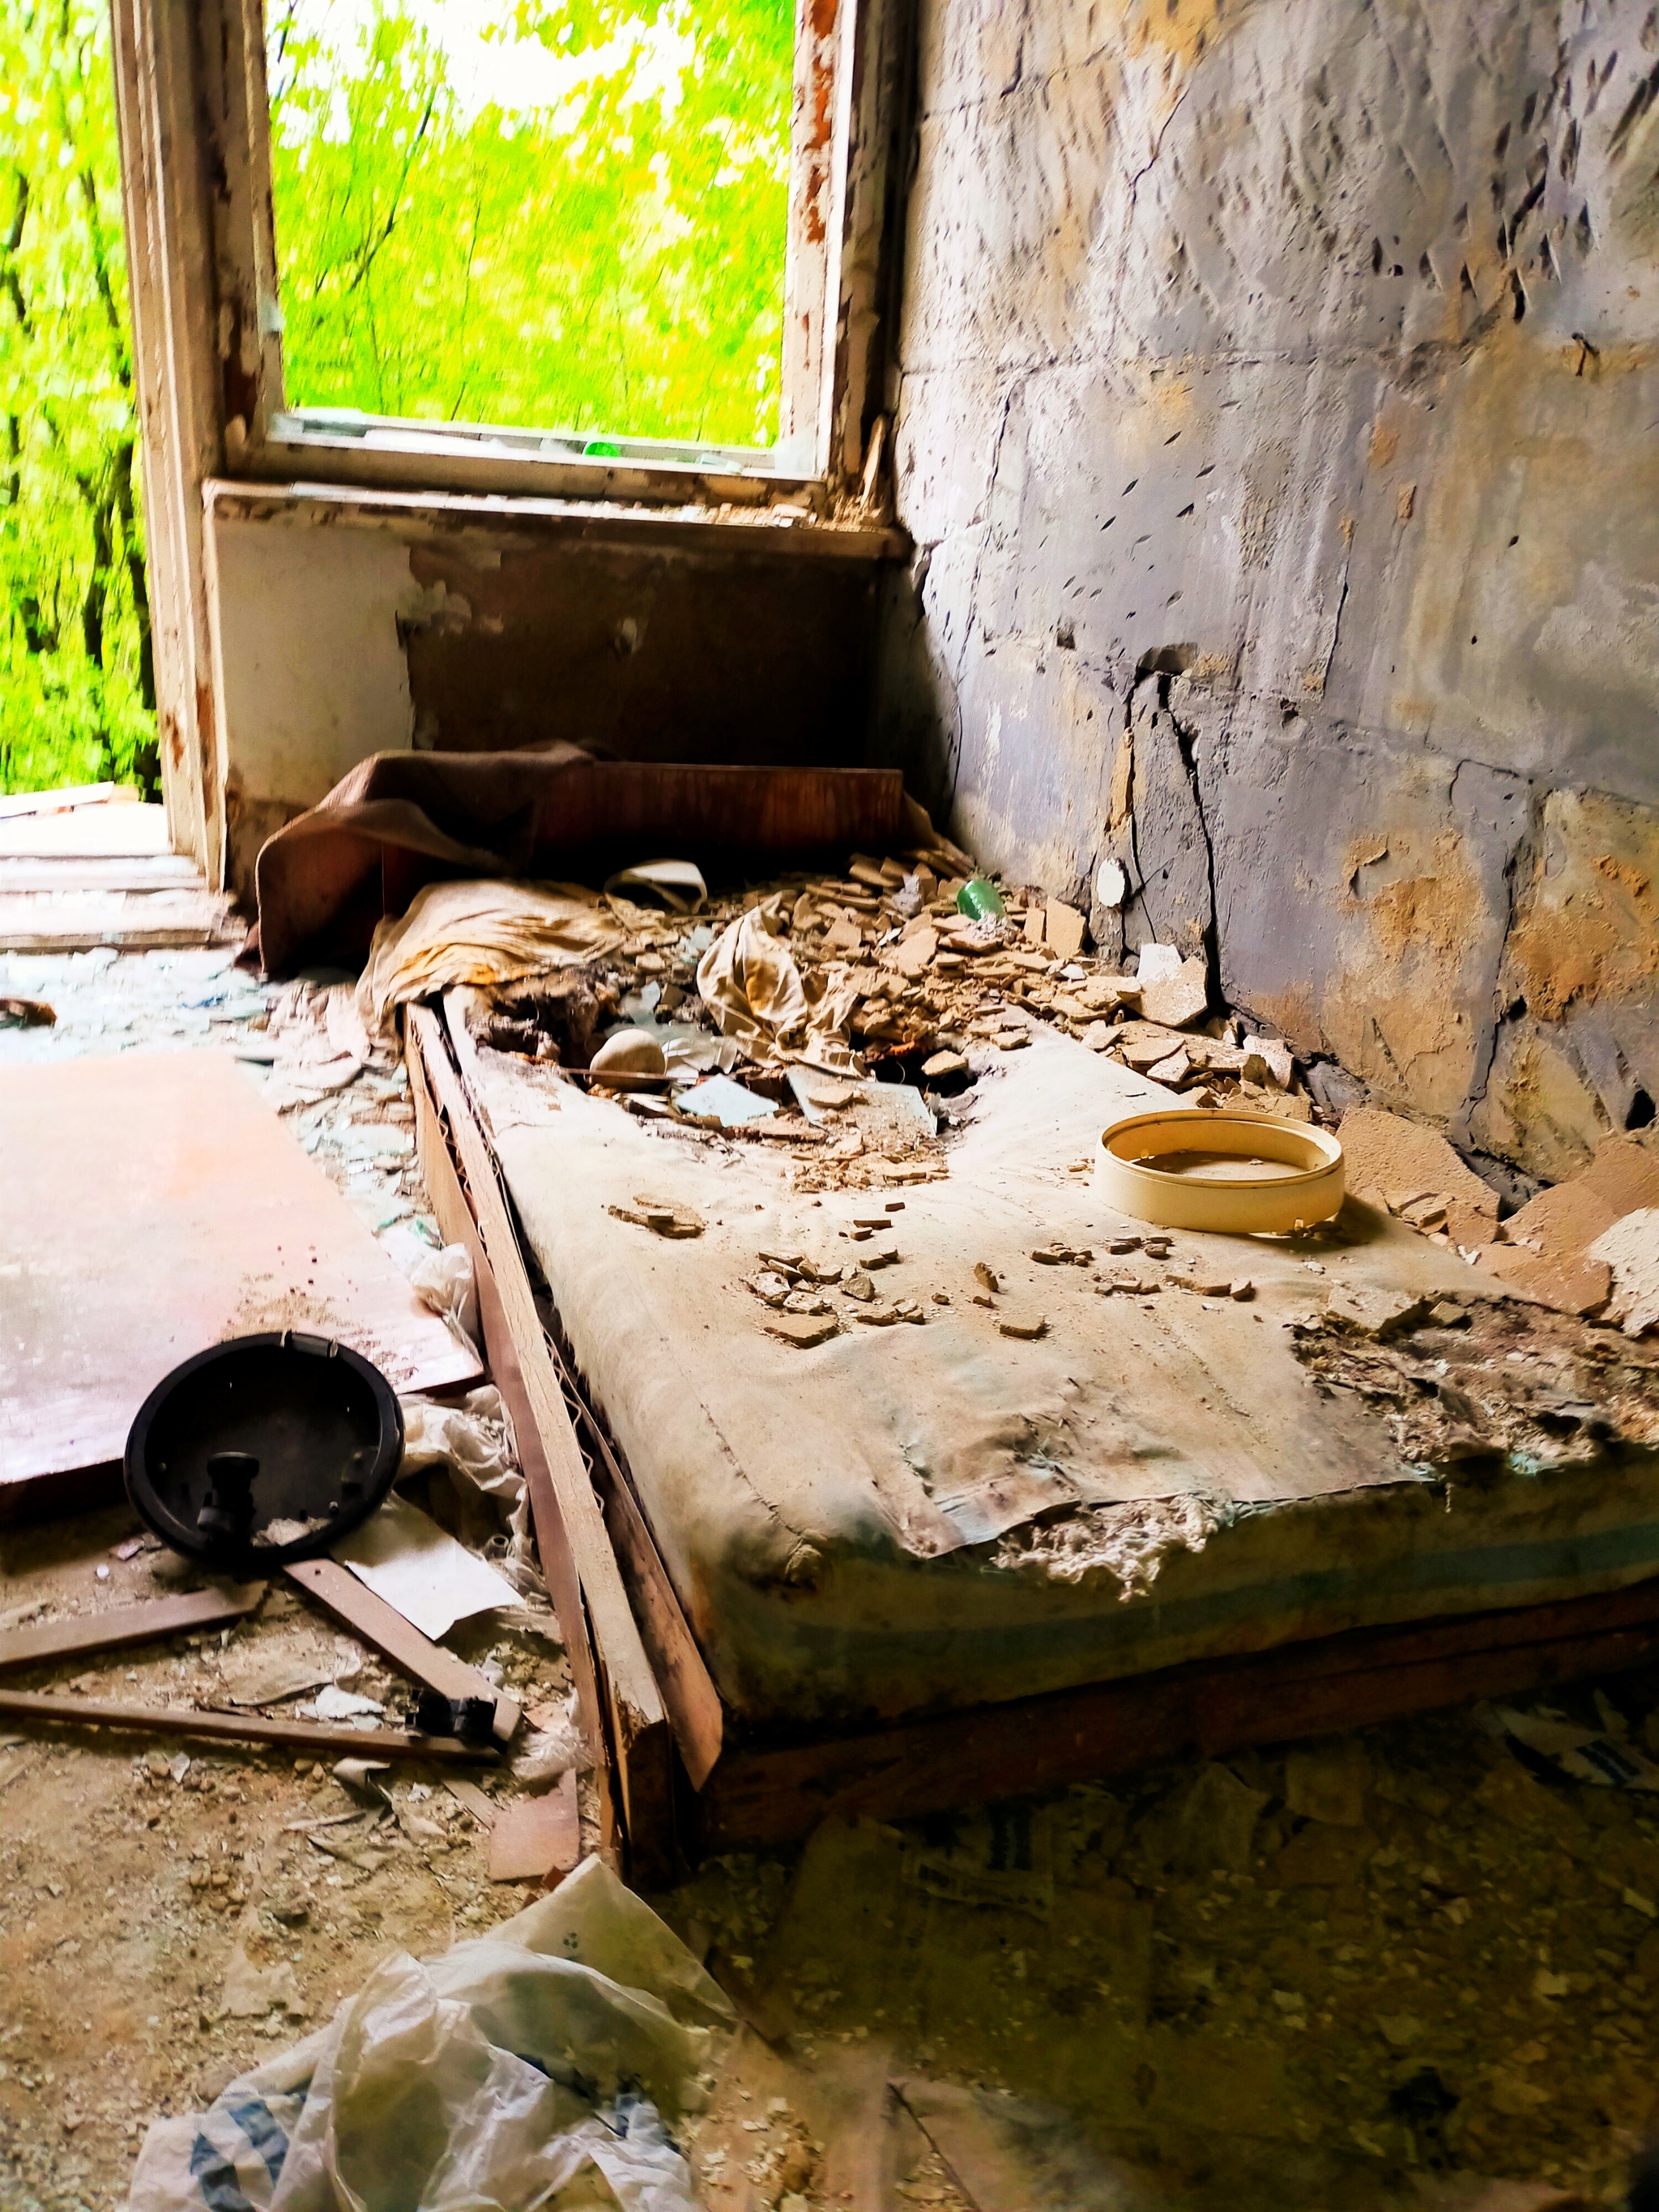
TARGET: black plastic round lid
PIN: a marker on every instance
(270, 1428)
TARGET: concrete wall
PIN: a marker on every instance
(1277, 410)
(310, 674)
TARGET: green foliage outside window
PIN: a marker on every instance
(584, 234)
(77, 696)
(567, 217)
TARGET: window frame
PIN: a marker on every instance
(838, 214)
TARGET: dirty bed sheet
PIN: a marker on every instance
(914, 1517)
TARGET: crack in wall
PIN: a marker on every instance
(1498, 1015)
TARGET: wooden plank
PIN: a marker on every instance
(536, 1839)
(483, 1808)
(92, 832)
(147, 921)
(385, 1627)
(164, 1208)
(135, 940)
(139, 871)
(695, 1710)
(1199, 1712)
(455, 1221)
(688, 1690)
(640, 1734)
(145, 1623)
(239, 1728)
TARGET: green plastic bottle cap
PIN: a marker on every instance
(981, 900)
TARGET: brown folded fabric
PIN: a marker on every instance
(400, 820)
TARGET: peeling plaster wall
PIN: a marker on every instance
(341, 632)
(1276, 418)
(309, 671)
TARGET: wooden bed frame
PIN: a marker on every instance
(681, 1781)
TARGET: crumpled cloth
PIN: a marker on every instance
(481, 932)
(576, 2035)
(399, 819)
(748, 981)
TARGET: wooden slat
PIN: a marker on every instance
(134, 922)
(455, 1221)
(1199, 1712)
(239, 1728)
(454, 1218)
(641, 1736)
(695, 1710)
(385, 1627)
(123, 1625)
(139, 871)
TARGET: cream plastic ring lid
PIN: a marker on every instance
(1240, 1174)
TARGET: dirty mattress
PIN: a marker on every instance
(914, 1516)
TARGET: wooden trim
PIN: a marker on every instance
(146, 1622)
(454, 1218)
(569, 1526)
(1199, 1712)
(399, 1640)
(839, 201)
(239, 1728)
(880, 108)
(165, 205)
(685, 531)
(695, 1711)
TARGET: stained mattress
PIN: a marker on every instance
(911, 1518)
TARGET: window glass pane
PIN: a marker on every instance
(567, 217)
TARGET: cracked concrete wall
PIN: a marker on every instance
(1276, 399)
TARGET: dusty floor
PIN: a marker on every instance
(1368, 1972)
(1459, 1975)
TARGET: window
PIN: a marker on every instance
(568, 246)
(572, 216)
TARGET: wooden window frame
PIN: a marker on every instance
(821, 447)
(194, 125)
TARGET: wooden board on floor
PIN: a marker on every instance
(1199, 1712)
(88, 830)
(139, 871)
(536, 1839)
(40, 1643)
(154, 1206)
(239, 1728)
(133, 921)
(399, 1640)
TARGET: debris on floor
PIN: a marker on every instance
(1414, 1965)
(577, 2034)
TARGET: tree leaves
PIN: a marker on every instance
(76, 694)
(587, 236)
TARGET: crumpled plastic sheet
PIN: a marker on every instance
(472, 1444)
(319, 1043)
(481, 932)
(570, 2041)
(443, 1281)
(749, 979)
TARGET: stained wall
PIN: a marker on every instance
(1277, 400)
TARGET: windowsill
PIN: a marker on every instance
(768, 532)
(375, 453)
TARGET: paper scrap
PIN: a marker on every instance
(405, 1557)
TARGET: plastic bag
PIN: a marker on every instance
(443, 1282)
(472, 1444)
(573, 2036)
(475, 1438)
